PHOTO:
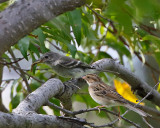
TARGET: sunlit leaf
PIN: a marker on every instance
(158, 89)
(125, 90)
(154, 39)
(42, 111)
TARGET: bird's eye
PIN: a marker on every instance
(46, 57)
(88, 77)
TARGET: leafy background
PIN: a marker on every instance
(125, 30)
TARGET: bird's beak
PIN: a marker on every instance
(37, 62)
(83, 77)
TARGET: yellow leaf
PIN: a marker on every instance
(125, 90)
(158, 89)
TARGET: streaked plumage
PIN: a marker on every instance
(107, 95)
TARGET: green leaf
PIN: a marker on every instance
(72, 49)
(19, 87)
(119, 47)
(33, 60)
(13, 87)
(59, 27)
(75, 22)
(17, 99)
(42, 111)
(33, 48)
(41, 38)
(34, 85)
(87, 17)
(157, 56)
(88, 32)
(102, 55)
(56, 102)
(23, 45)
(147, 11)
(154, 39)
(6, 57)
(120, 12)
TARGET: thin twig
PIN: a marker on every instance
(8, 80)
(88, 110)
(21, 71)
(16, 60)
(40, 81)
(9, 63)
(98, 13)
(149, 93)
(120, 37)
(59, 49)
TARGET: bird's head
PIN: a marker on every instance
(91, 78)
(48, 58)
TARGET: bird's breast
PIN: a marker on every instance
(68, 72)
(103, 100)
(96, 98)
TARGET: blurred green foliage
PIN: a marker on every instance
(129, 27)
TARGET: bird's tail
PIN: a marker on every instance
(137, 110)
(103, 70)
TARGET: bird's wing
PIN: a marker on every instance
(108, 92)
(68, 62)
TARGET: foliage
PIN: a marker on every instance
(128, 27)
(125, 90)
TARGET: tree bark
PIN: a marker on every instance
(25, 114)
(24, 16)
(36, 121)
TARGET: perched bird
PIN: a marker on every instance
(107, 95)
(66, 66)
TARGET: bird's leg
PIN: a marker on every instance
(119, 114)
(99, 108)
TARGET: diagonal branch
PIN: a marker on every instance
(22, 17)
(136, 83)
(25, 112)
(33, 101)
(40, 96)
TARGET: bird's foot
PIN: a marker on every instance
(99, 108)
(119, 116)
